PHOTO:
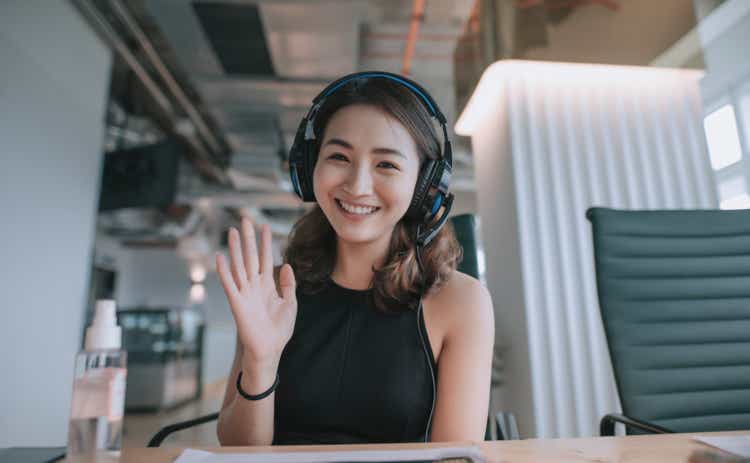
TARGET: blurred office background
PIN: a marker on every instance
(133, 134)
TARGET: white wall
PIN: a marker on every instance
(496, 199)
(54, 79)
(550, 141)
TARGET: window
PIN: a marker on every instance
(744, 114)
(741, 201)
(726, 152)
(723, 138)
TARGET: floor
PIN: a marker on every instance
(139, 428)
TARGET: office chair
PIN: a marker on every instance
(164, 432)
(464, 226)
(674, 295)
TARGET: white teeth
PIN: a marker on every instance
(356, 209)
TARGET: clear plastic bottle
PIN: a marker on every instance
(96, 411)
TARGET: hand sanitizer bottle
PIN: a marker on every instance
(98, 403)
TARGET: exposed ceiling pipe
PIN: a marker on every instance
(418, 56)
(417, 17)
(108, 34)
(164, 73)
(423, 37)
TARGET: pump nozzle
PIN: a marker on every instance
(104, 332)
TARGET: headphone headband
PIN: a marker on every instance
(410, 84)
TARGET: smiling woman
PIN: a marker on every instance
(373, 336)
(359, 129)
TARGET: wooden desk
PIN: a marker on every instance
(665, 448)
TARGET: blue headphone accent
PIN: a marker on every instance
(436, 204)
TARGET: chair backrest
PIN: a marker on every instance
(465, 228)
(674, 294)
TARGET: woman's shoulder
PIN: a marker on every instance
(459, 287)
(461, 303)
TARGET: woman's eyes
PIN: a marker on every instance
(391, 166)
(341, 157)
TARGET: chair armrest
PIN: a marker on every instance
(167, 430)
(607, 425)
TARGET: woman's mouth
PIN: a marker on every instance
(351, 209)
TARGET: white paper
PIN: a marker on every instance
(201, 456)
(738, 445)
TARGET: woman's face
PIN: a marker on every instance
(365, 173)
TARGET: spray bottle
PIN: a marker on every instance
(96, 411)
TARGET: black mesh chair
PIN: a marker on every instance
(674, 294)
(172, 428)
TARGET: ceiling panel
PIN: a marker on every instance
(317, 39)
(181, 27)
(237, 36)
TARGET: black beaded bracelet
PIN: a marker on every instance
(262, 395)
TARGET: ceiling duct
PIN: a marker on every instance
(174, 87)
(208, 161)
(237, 36)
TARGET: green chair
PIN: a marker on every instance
(464, 227)
(674, 295)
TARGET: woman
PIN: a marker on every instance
(363, 342)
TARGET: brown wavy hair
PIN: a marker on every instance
(398, 283)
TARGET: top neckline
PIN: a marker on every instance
(356, 292)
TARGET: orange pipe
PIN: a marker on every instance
(427, 37)
(417, 16)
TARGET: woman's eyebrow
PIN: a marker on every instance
(347, 145)
(388, 151)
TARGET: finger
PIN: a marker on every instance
(222, 267)
(249, 248)
(288, 284)
(235, 258)
(287, 311)
(266, 255)
(224, 276)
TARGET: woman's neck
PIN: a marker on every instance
(355, 261)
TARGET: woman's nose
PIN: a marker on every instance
(359, 181)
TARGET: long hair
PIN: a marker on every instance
(398, 283)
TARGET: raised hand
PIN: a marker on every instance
(264, 319)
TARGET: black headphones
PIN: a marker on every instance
(430, 192)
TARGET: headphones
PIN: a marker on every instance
(431, 190)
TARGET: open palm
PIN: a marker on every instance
(264, 319)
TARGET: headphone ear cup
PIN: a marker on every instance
(416, 208)
(310, 158)
(299, 169)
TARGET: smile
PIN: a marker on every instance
(359, 210)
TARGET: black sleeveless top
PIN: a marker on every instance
(352, 374)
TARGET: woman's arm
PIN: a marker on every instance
(241, 421)
(465, 362)
(264, 307)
